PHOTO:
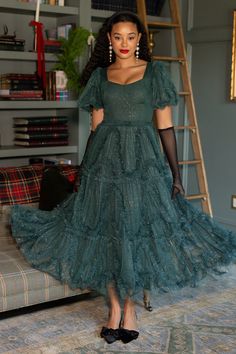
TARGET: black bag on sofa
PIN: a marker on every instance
(54, 188)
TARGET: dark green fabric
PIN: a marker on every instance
(122, 226)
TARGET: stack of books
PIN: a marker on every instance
(20, 87)
(41, 131)
(11, 43)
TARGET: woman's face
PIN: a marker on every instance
(124, 38)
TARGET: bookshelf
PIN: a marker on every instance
(17, 16)
(17, 7)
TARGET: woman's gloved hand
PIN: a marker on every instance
(168, 141)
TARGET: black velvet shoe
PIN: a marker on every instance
(127, 335)
(110, 335)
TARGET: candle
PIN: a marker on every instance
(37, 11)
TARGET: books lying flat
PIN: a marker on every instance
(40, 120)
(5, 46)
(36, 136)
(41, 143)
(41, 128)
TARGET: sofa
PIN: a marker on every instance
(20, 284)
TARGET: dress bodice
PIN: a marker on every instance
(132, 102)
(129, 102)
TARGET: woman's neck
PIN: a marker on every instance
(125, 63)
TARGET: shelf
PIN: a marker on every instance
(17, 7)
(11, 105)
(25, 56)
(19, 151)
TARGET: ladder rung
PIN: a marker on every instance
(196, 196)
(184, 93)
(182, 127)
(164, 25)
(163, 58)
(190, 162)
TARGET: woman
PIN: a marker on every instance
(129, 227)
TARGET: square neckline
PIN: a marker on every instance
(130, 83)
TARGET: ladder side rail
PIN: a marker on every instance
(180, 44)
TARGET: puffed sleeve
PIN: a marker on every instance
(91, 94)
(164, 91)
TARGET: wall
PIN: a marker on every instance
(210, 41)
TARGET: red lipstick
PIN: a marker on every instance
(124, 51)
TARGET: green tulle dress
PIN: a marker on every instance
(122, 227)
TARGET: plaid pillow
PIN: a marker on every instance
(21, 185)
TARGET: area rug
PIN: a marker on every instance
(198, 320)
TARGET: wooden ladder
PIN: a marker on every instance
(187, 93)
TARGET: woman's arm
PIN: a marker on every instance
(163, 120)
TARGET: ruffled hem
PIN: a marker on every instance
(123, 227)
(150, 252)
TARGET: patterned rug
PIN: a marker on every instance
(195, 320)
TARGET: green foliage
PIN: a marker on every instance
(72, 48)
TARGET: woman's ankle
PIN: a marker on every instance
(130, 317)
(114, 317)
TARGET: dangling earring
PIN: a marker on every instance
(110, 52)
(137, 52)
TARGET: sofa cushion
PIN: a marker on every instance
(20, 185)
(21, 285)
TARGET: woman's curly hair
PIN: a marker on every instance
(100, 55)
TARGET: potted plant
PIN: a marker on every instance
(71, 49)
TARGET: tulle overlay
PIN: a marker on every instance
(122, 227)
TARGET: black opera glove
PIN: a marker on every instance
(168, 141)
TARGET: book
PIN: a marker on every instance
(41, 143)
(4, 46)
(17, 76)
(62, 95)
(57, 161)
(41, 128)
(23, 98)
(41, 135)
(20, 84)
(7, 92)
(40, 120)
(52, 42)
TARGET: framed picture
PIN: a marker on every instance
(233, 66)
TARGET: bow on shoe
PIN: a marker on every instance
(110, 335)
